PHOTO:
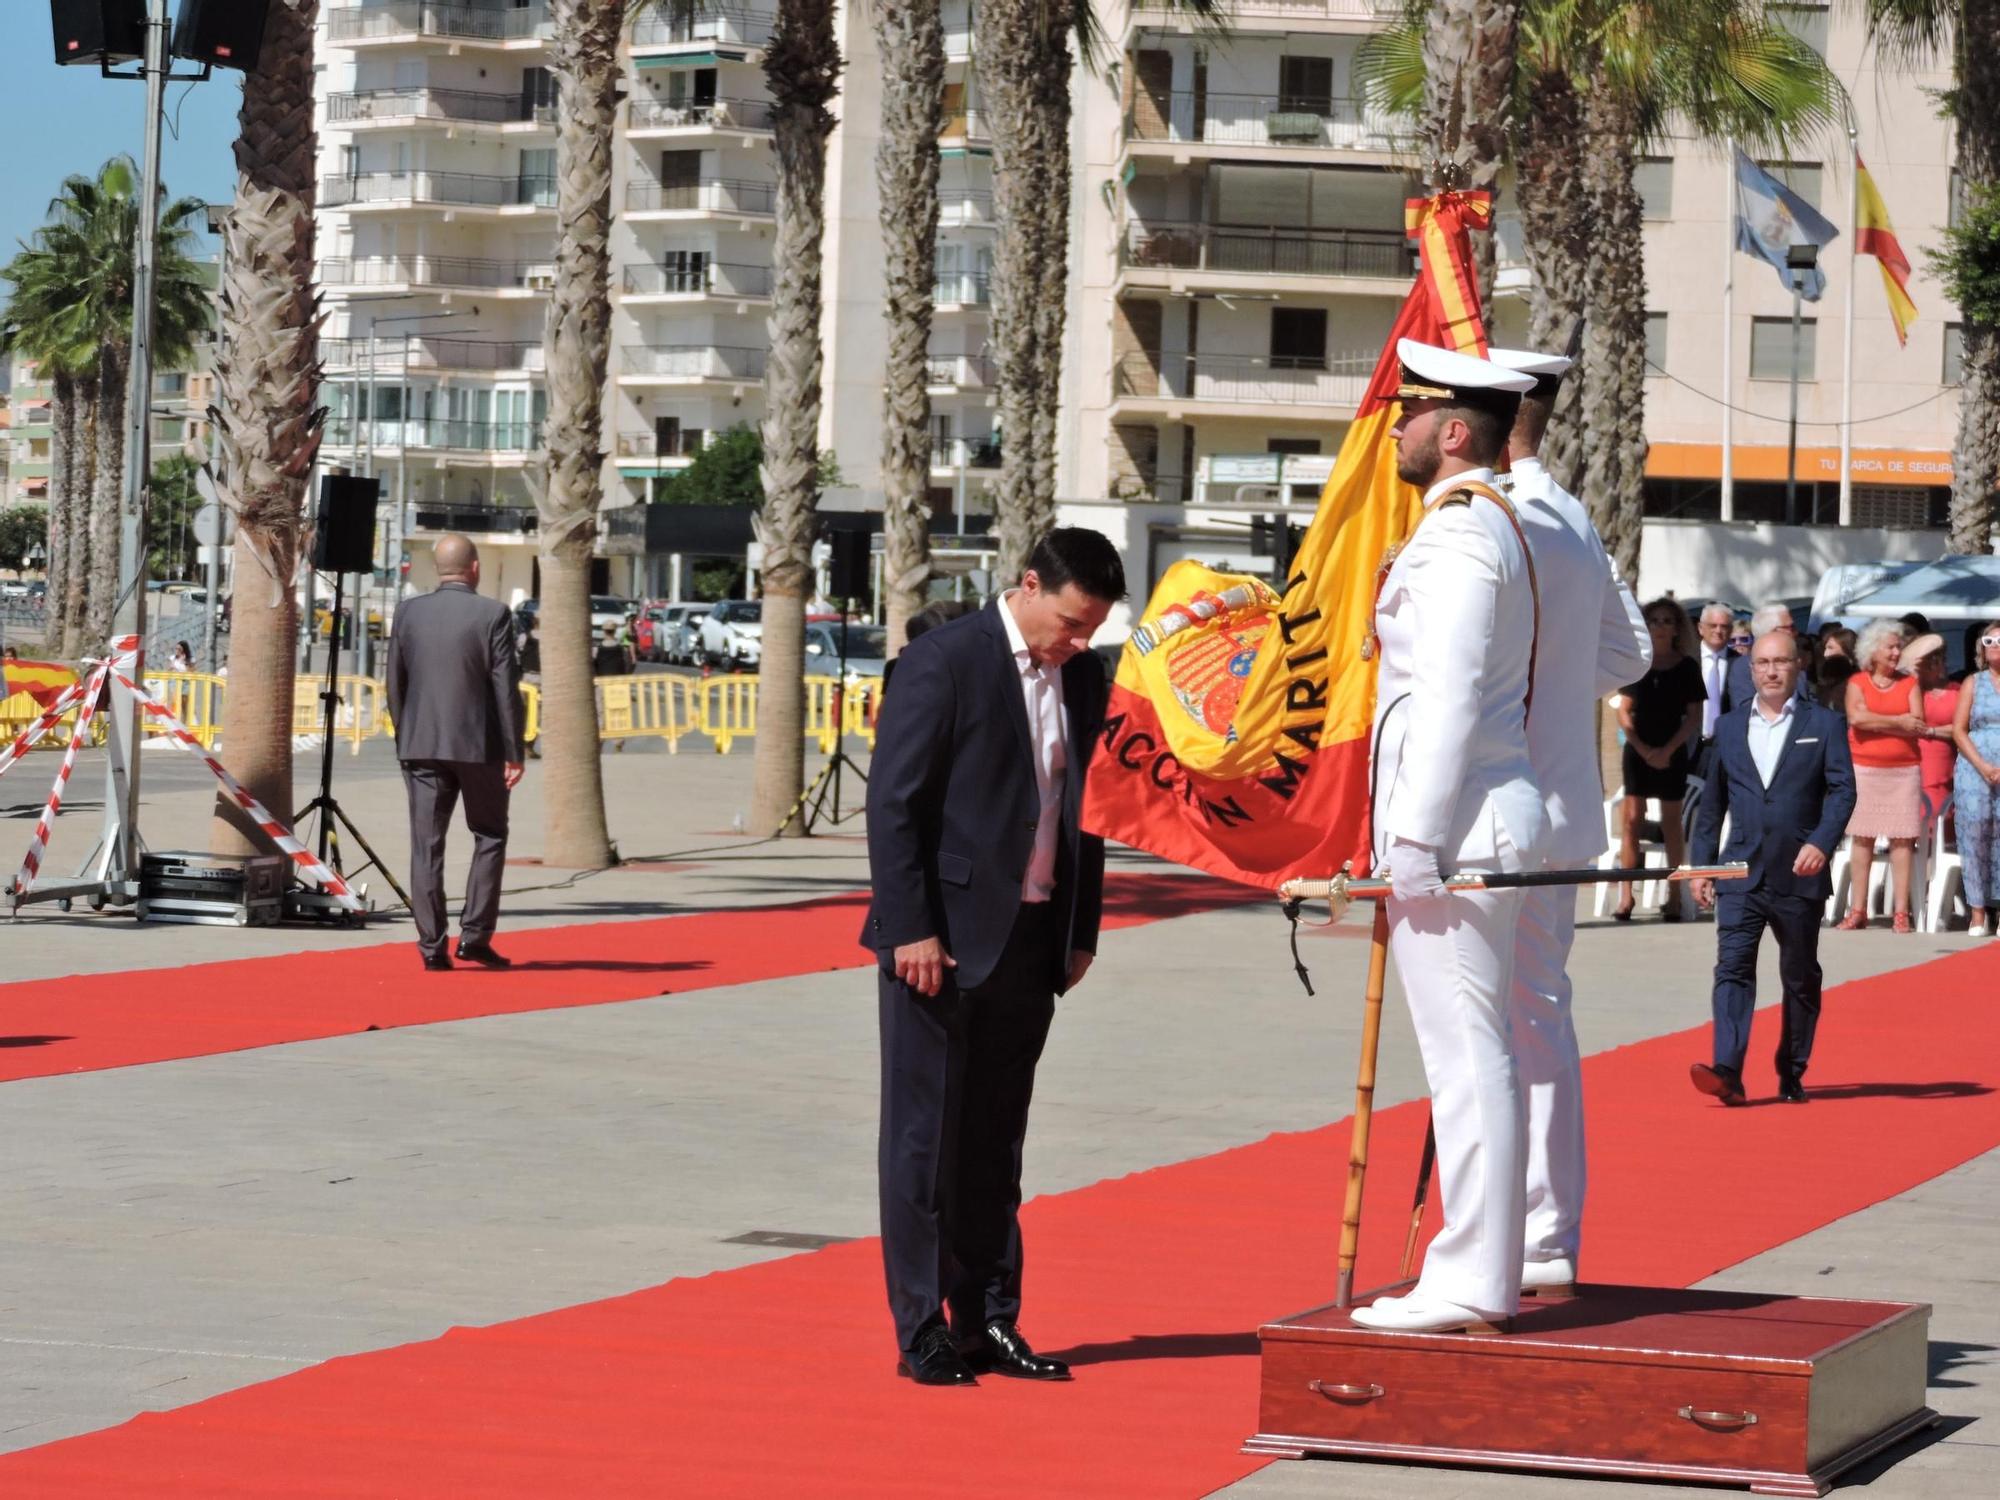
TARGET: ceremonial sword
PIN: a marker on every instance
(1340, 892)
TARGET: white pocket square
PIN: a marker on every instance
(1811, 740)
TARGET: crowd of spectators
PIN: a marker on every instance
(1925, 744)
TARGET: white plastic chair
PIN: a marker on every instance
(1947, 876)
(1651, 856)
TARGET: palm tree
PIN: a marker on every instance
(266, 422)
(1469, 53)
(577, 344)
(909, 34)
(1915, 32)
(802, 71)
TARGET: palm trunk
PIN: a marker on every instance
(267, 412)
(74, 586)
(62, 490)
(1614, 361)
(801, 69)
(577, 341)
(106, 489)
(1016, 42)
(1052, 278)
(1555, 231)
(1975, 453)
(1469, 59)
(910, 37)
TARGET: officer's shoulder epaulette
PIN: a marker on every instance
(1456, 497)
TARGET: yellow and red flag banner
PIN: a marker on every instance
(1237, 735)
(43, 681)
(1875, 235)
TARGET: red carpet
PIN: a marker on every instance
(775, 1379)
(116, 1020)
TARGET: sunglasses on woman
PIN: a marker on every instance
(1988, 642)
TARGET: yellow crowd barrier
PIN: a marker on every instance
(654, 706)
(20, 710)
(195, 698)
(361, 714)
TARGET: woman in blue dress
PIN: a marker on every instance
(1976, 781)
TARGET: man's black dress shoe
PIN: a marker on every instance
(1722, 1083)
(483, 955)
(1792, 1091)
(1000, 1350)
(935, 1360)
(438, 963)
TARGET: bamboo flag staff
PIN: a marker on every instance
(1339, 893)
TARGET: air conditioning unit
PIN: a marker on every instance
(539, 281)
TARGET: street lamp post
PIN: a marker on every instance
(1799, 263)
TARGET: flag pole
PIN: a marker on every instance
(1728, 336)
(1364, 1107)
(1847, 328)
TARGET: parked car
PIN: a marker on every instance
(609, 609)
(679, 634)
(867, 649)
(732, 634)
(648, 633)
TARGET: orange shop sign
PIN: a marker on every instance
(1767, 464)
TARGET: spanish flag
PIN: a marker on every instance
(1236, 740)
(44, 681)
(1875, 235)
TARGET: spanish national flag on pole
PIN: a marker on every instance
(1875, 235)
(1236, 739)
(44, 681)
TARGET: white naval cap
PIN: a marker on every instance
(1529, 362)
(1445, 373)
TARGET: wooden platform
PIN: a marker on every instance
(1777, 1393)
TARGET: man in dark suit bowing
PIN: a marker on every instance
(1783, 777)
(987, 895)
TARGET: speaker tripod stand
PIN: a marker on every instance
(827, 782)
(325, 806)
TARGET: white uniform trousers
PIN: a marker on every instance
(1455, 953)
(1551, 1070)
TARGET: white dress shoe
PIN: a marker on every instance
(1550, 1280)
(1417, 1313)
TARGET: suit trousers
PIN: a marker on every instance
(1455, 953)
(1551, 1070)
(434, 787)
(1740, 920)
(958, 1073)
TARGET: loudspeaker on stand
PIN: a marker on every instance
(98, 31)
(344, 524)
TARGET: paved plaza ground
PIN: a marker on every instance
(179, 1229)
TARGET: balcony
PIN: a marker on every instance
(676, 451)
(1233, 251)
(706, 279)
(436, 433)
(1263, 122)
(485, 520)
(426, 352)
(437, 190)
(690, 364)
(960, 372)
(1247, 383)
(967, 126)
(409, 20)
(446, 272)
(962, 289)
(644, 116)
(709, 195)
(451, 106)
(964, 208)
(1268, 15)
(688, 25)
(965, 453)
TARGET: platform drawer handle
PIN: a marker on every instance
(1338, 1392)
(1725, 1419)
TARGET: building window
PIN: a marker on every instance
(1805, 21)
(174, 383)
(1653, 176)
(1306, 84)
(1802, 177)
(1298, 338)
(1306, 446)
(1954, 354)
(1771, 348)
(1656, 343)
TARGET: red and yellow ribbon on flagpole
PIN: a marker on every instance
(1237, 735)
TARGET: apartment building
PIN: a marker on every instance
(28, 436)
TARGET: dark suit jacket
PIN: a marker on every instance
(952, 802)
(1809, 800)
(454, 681)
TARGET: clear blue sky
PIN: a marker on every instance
(58, 121)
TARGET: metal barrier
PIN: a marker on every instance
(20, 710)
(649, 707)
(361, 714)
(195, 698)
(725, 708)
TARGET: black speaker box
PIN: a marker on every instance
(221, 33)
(98, 31)
(847, 569)
(344, 524)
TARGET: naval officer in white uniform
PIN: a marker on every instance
(1454, 791)
(1602, 644)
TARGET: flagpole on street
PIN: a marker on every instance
(1728, 336)
(1847, 328)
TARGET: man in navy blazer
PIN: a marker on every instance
(1783, 777)
(986, 899)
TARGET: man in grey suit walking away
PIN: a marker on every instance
(455, 695)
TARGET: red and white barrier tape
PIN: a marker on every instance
(46, 823)
(28, 738)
